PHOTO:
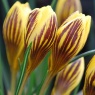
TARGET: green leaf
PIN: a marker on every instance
(32, 3)
(35, 82)
(75, 91)
(91, 52)
(1, 82)
(42, 70)
(53, 4)
(6, 5)
(3, 61)
(23, 69)
(31, 83)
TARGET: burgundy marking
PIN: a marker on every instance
(36, 49)
(62, 79)
(19, 32)
(65, 77)
(90, 90)
(73, 51)
(15, 24)
(75, 70)
(39, 51)
(68, 5)
(6, 30)
(32, 18)
(65, 57)
(70, 35)
(10, 25)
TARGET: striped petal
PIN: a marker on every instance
(69, 78)
(69, 41)
(65, 8)
(89, 86)
(41, 28)
(14, 28)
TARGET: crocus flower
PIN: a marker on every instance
(41, 28)
(14, 29)
(68, 78)
(89, 85)
(65, 8)
(70, 39)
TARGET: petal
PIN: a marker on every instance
(91, 65)
(65, 8)
(14, 29)
(38, 22)
(15, 22)
(69, 41)
(89, 86)
(41, 28)
(69, 78)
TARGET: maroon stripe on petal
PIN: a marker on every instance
(6, 26)
(71, 34)
(74, 72)
(71, 54)
(71, 38)
(89, 87)
(15, 24)
(31, 21)
(36, 42)
(11, 24)
(40, 49)
(19, 34)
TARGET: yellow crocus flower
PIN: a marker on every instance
(68, 78)
(41, 31)
(41, 28)
(14, 29)
(70, 39)
(89, 85)
(65, 8)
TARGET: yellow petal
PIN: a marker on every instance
(89, 85)
(65, 8)
(69, 78)
(14, 29)
(91, 65)
(69, 41)
(41, 28)
(72, 17)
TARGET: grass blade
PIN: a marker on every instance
(1, 83)
(6, 5)
(23, 69)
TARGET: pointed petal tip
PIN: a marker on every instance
(69, 77)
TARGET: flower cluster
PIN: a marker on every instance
(39, 26)
(23, 26)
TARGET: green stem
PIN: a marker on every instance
(13, 81)
(53, 3)
(37, 90)
(19, 88)
(6, 5)
(83, 55)
(46, 83)
(23, 84)
(76, 90)
(1, 81)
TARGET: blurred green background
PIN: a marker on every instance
(88, 8)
